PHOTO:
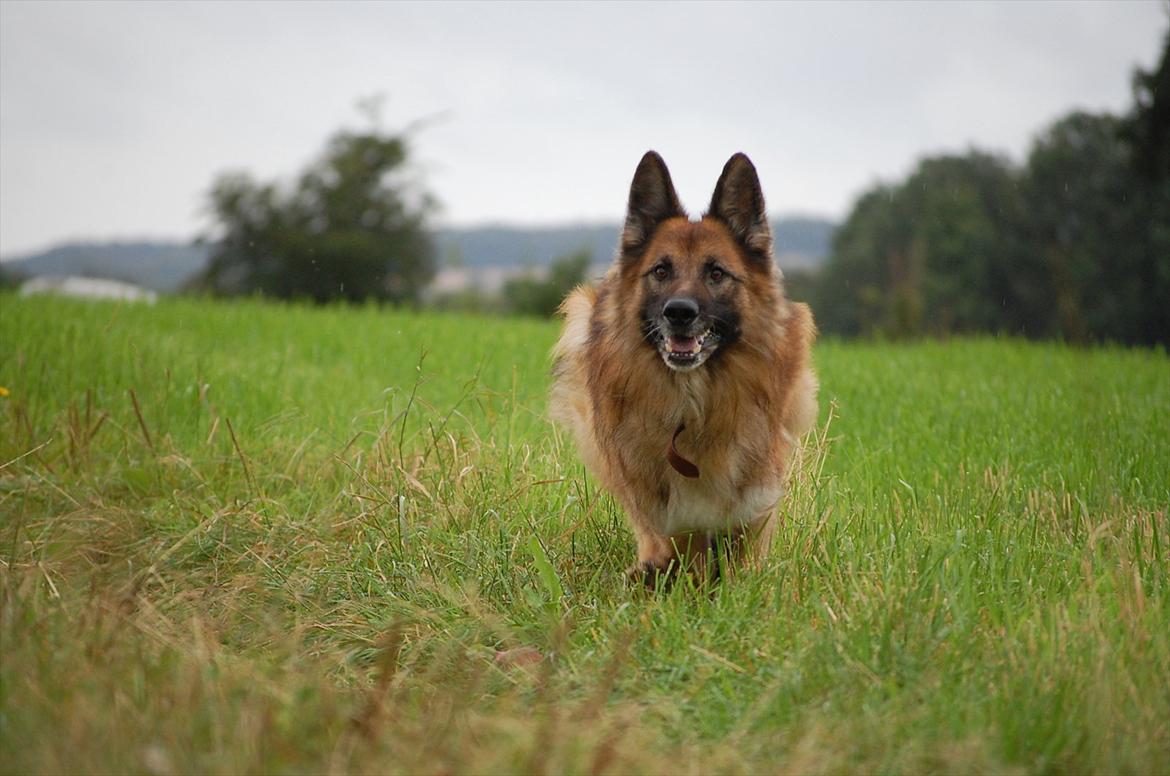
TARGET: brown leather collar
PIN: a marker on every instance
(680, 464)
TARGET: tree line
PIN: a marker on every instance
(1073, 244)
(352, 227)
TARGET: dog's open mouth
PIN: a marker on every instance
(684, 352)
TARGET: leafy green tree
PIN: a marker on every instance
(1148, 132)
(350, 228)
(541, 296)
(1148, 128)
(1090, 224)
(9, 279)
(1075, 245)
(934, 254)
(852, 296)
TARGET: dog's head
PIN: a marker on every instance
(693, 282)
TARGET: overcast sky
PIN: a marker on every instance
(115, 118)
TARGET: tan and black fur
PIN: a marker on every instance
(685, 375)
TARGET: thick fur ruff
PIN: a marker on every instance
(742, 390)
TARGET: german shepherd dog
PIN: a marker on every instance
(685, 377)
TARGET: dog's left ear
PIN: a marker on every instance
(738, 201)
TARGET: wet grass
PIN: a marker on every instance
(245, 537)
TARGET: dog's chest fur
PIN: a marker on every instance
(728, 435)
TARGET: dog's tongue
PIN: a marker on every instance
(684, 344)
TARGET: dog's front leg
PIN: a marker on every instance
(658, 560)
(746, 544)
(662, 558)
(715, 556)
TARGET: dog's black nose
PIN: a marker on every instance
(680, 311)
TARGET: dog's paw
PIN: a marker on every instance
(651, 575)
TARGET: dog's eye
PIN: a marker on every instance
(661, 272)
(716, 274)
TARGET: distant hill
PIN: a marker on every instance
(801, 243)
(161, 266)
(497, 246)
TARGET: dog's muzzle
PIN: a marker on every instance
(686, 340)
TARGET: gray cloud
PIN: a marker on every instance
(114, 118)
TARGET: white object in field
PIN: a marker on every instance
(87, 288)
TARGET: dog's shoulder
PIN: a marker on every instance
(577, 310)
(801, 327)
(579, 301)
(800, 404)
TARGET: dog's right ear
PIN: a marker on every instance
(652, 201)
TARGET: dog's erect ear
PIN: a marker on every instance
(738, 202)
(652, 201)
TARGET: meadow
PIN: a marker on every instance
(243, 537)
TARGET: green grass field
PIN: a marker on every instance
(245, 537)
